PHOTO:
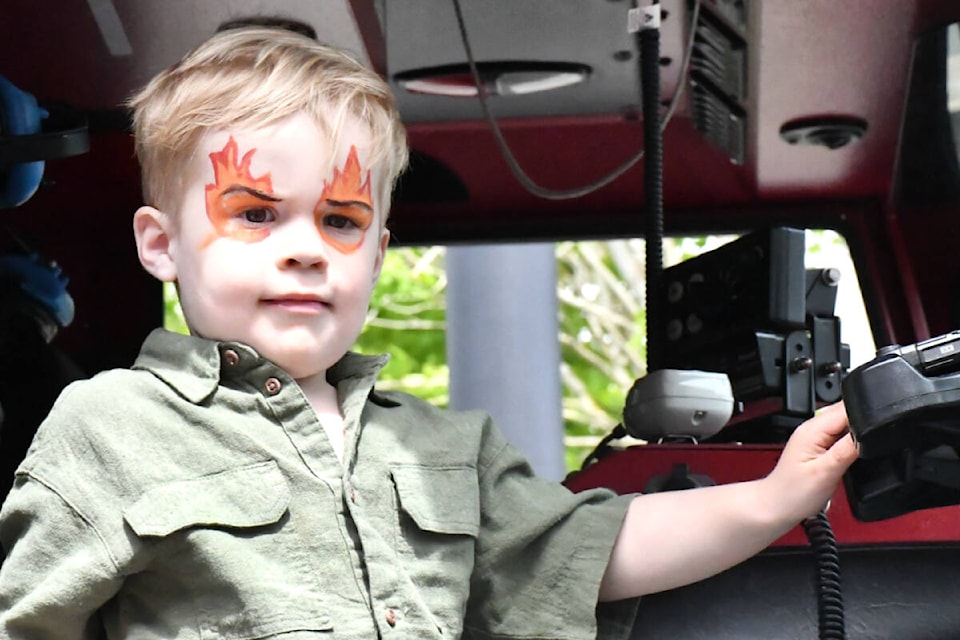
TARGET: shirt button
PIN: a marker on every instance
(231, 357)
(273, 386)
(391, 616)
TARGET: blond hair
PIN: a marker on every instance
(257, 76)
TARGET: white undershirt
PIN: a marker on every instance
(322, 396)
(333, 426)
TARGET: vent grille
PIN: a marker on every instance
(718, 122)
(718, 78)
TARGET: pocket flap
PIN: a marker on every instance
(440, 499)
(250, 496)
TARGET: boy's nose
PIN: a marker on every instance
(302, 246)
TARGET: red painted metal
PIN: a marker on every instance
(630, 470)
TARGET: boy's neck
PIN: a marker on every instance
(321, 395)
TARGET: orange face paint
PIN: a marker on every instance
(235, 190)
(345, 209)
(343, 212)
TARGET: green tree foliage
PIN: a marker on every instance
(407, 320)
(602, 336)
(172, 313)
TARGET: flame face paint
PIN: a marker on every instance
(345, 210)
(241, 206)
(236, 198)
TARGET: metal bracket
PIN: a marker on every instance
(798, 374)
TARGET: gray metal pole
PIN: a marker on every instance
(502, 345)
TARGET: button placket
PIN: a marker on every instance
(349, 491)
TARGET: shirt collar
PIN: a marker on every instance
(192, 365)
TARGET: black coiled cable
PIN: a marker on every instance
(649, 44)
(829, 592)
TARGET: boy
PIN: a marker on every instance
(248, 481)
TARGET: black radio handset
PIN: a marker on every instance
(902, 407)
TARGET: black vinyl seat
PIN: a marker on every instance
(901, 592)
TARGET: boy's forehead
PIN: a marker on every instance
(292, 146)
(292, 139)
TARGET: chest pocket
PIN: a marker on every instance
(226, 541)
(439, 500)
(250, 496)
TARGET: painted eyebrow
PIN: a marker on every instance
(234, 188)
(349, 203)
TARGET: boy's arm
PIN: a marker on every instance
(674, 538)
(57, 572)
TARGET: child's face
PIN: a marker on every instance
(274, 248)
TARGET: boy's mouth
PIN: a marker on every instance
(298, 303)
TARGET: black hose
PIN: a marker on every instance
(829, 592)
(653, 192)
(603, 448)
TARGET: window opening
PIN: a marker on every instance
(602, 333)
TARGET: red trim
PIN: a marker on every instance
(629, 471)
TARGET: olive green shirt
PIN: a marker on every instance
(197, 496)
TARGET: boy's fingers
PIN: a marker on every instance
(832, 419)
(844, 450)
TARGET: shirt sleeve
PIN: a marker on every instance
(57, 572)
(541, 554)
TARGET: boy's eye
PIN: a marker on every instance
(344, 226)
(258, 215)
(339, 222)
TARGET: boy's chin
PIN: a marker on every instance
(300, 366)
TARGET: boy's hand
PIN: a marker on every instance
(700, 532)
(812, 464)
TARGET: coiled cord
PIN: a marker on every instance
(829, 591)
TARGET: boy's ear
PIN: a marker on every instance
(381, 253)
(152, 230)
